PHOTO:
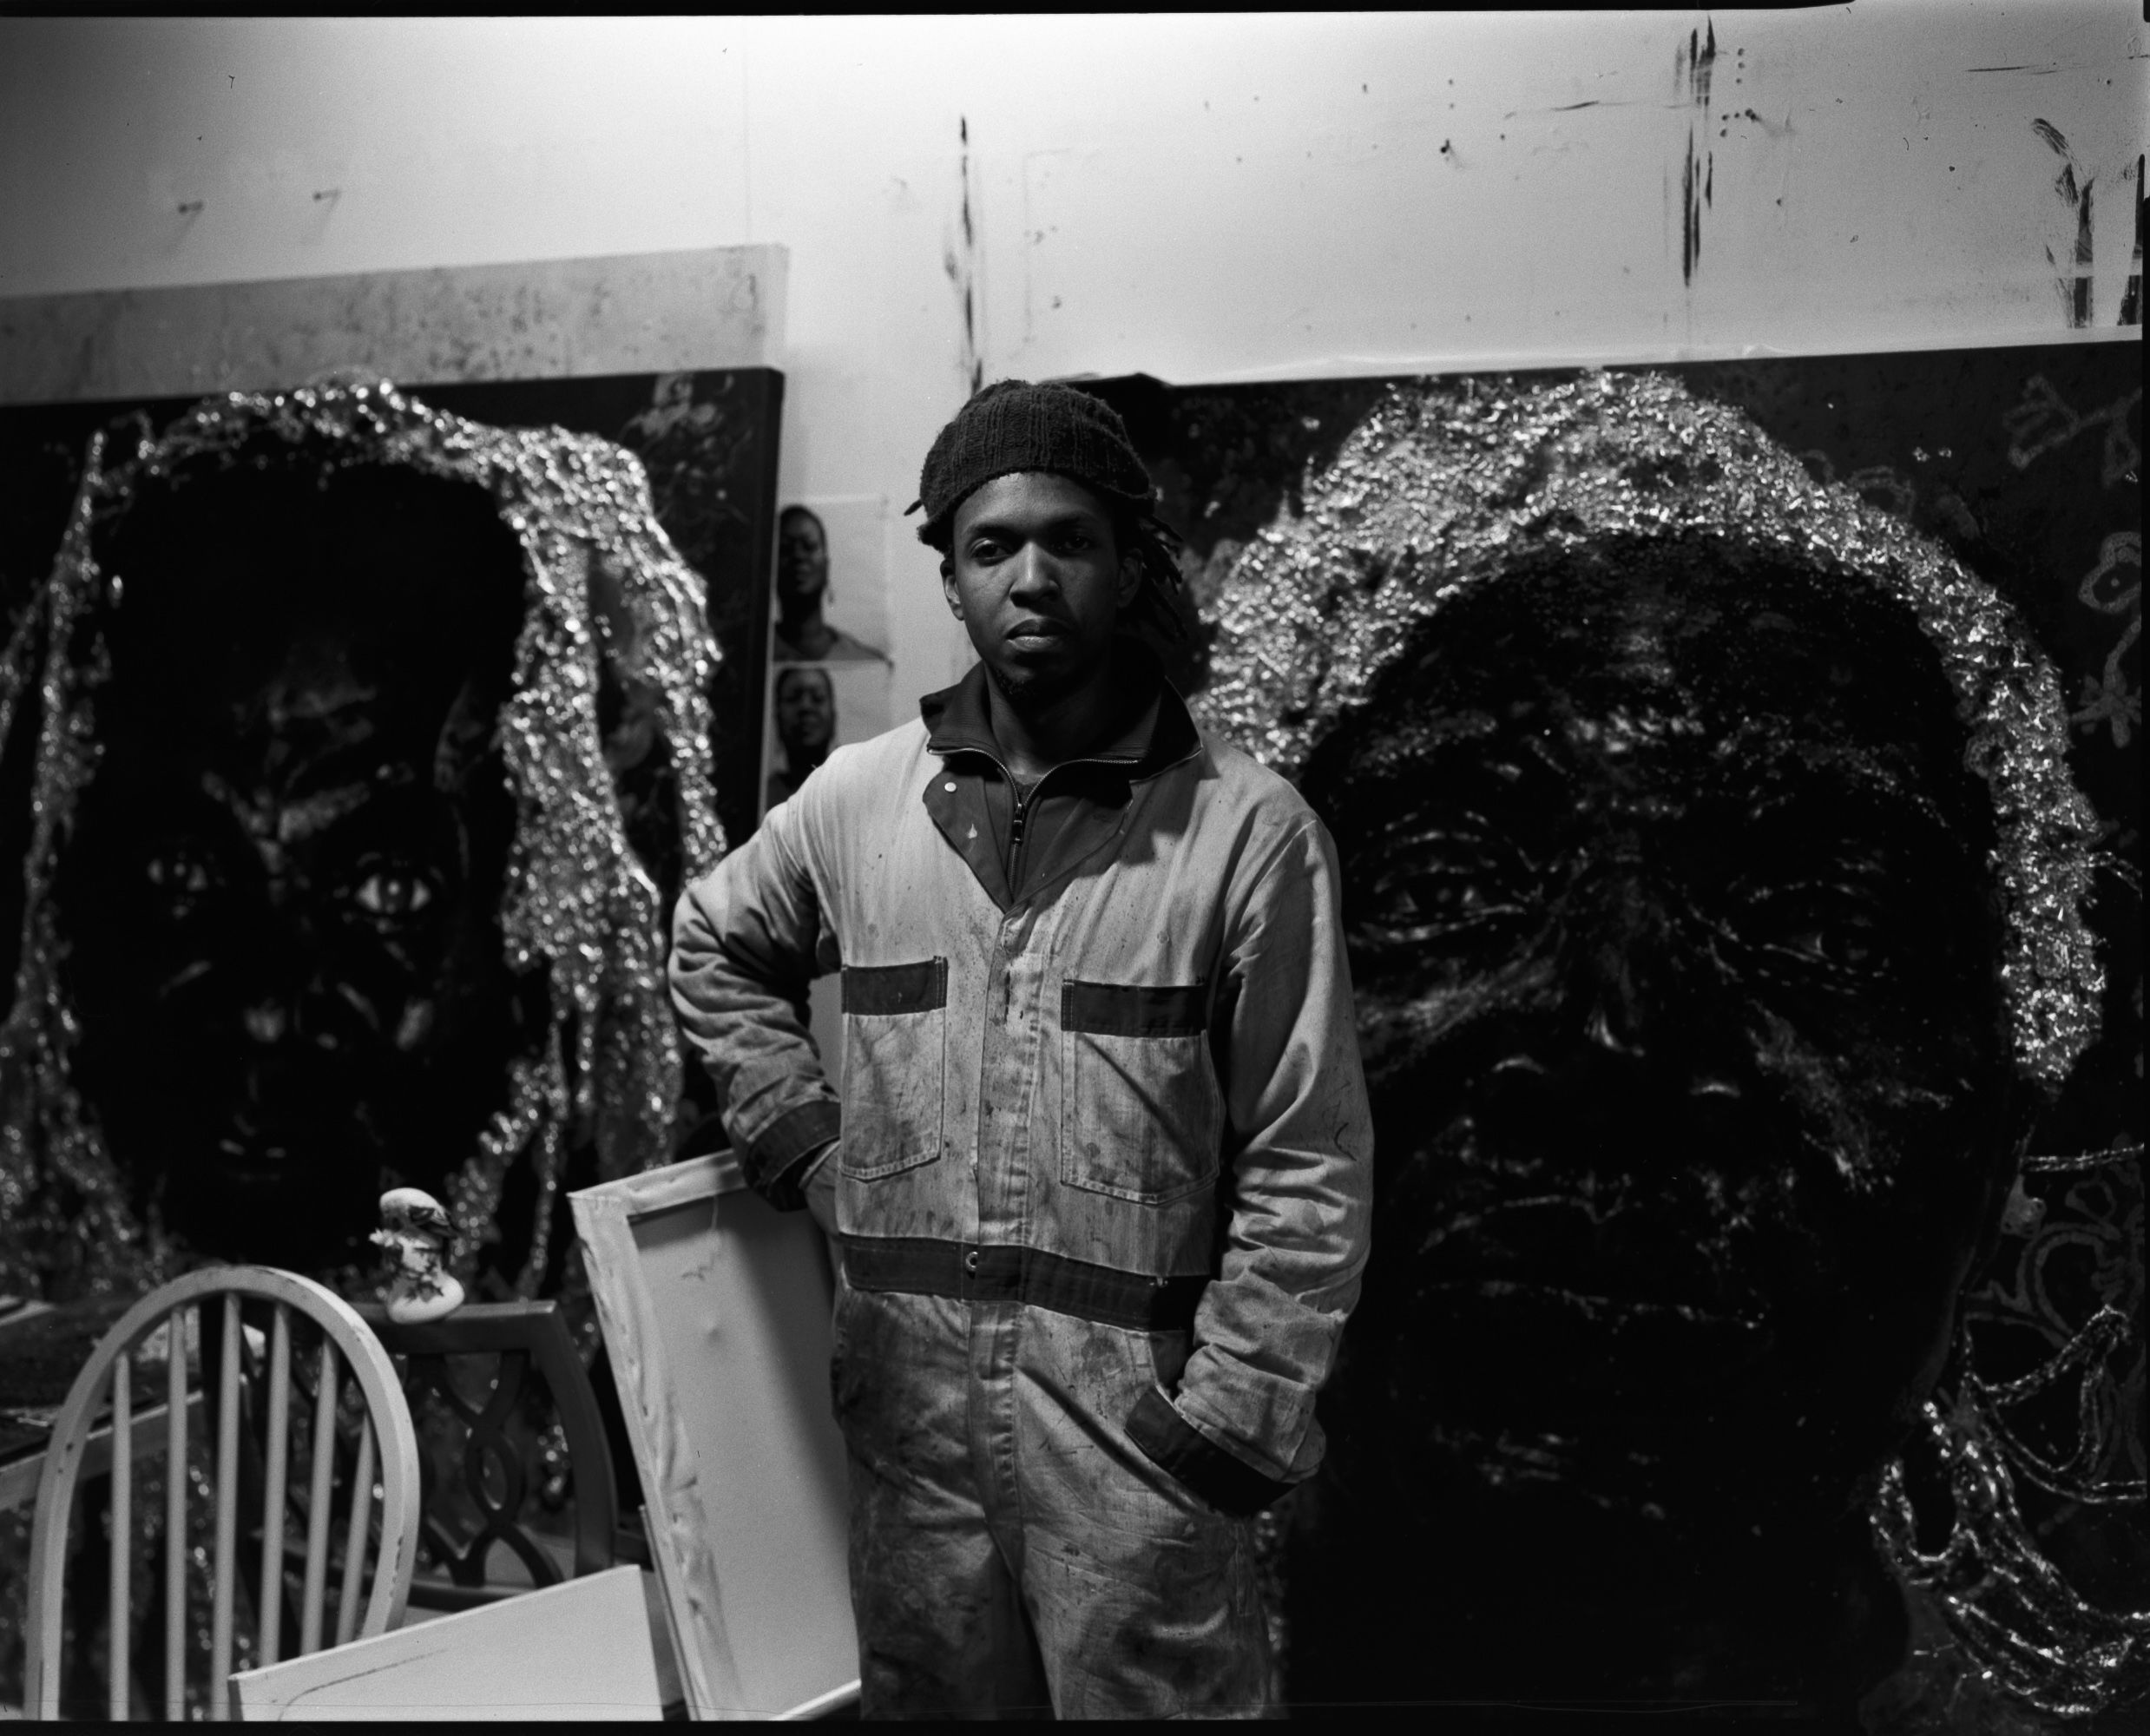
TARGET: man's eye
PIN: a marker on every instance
(182, 878)
(384, 893)
(1844, 941)
(1849, 946)
(1837, 927)
(1443, 885)
(1449, 896)
(178, 874)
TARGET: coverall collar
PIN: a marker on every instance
(959, 720)
(1076, 809)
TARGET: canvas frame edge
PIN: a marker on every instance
(665, 1462)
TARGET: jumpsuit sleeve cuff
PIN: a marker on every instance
(776, 1162)
(1225, 1481)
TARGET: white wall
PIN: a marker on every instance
(1201, 198)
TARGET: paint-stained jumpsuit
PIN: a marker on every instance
(1101, 1188)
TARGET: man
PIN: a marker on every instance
(1100, 1189)
(802, 587)
(806, 724)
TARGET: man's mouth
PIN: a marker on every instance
(1037, 632)
(255, 1145)
(254, 1159)
(1585, 1295)
(1590, 1309)
(1650, 1249)
(1546, 1347)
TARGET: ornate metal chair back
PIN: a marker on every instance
(501, 1452)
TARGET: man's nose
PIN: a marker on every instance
(1037, 574)
(1629, 971)
(1622, 1008)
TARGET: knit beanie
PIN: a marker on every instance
(1013, 426)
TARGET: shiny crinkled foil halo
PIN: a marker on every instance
(1476, 478)
(577, 903)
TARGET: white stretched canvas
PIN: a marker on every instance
(716, 1310)
(577, 1650)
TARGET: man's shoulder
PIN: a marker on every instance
(877, 764)
(860, 791)
(1243, 783)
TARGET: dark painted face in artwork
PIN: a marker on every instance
(1676, 974)
(279, 902)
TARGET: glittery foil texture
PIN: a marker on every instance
(577, 905)
(2027, 1631)
(2027, 1634)
(1447, 485)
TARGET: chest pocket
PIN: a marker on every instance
(1141, 1117)
(895, 1050)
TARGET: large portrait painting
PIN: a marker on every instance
(1735, 771)
(355, 745)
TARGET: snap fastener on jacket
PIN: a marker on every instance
(971, 1262)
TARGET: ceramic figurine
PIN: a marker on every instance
(417, 1229)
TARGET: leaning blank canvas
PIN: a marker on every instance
(716, 1310)
(576, 1650)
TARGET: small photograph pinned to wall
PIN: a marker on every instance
(831, 582)
(829, 667)
(815, 707)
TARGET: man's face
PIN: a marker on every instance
(281, 901)
(1677, 987)
(802, 560)
(805, 713)
(1037, 582)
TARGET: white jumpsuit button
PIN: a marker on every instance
(949, 788)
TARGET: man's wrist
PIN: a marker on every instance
(818, 1186)
(777, 1162)
(1174, 1445)
(790, 1191)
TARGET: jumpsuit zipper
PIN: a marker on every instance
(1015, 837)
(1022, 814)
(1015, 872)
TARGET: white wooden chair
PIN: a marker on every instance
(358, 1442)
